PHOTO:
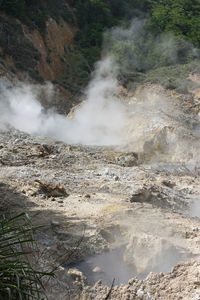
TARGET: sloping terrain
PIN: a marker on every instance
(114, 181)
(112, 212)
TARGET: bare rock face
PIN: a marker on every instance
(41, 57)
(57, 38)
(160, 141)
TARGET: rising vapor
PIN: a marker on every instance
(100, 119)
(148, 123)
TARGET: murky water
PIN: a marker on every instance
(110, 265)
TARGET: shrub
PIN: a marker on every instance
(18, 280)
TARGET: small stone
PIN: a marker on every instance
(97, 270)
(55, 223)
(129, 159)
(107, 171)
(195, 229)
(60, 201)
(76, 275)
(98, 283)
(128, 212)
(141, 196)
(168, 183)
(140, 293)
(87, 196)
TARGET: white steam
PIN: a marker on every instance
(148, 123)
(137, 49)
(100, 120)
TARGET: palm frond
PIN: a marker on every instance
(18, 280)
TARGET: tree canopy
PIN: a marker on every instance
(93, 17)
(178, 16)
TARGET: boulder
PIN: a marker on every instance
(129, 159)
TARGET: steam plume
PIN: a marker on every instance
(99, 120)
(148, 123)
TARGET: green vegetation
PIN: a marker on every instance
(14, 43)
(93, 17)
(18, 280)
(76, 73)
(35, 13)
(178, 16)
(137, 49)
(173, 77)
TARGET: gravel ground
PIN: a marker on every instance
(96, 199)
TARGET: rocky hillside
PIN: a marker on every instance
(60, 42)
(33, 53)
(112, 212)
(115, 183)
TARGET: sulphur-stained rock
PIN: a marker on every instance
(51, 190)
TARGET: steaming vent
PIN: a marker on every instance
(137, 259)
(149, 122)
(147, 127)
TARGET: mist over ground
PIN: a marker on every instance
(138, 49)
(100, 119)
(149, 122)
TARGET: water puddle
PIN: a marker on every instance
(106, 267)
(110, 265)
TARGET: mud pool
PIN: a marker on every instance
(110, 265)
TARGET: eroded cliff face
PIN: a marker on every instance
(29, 55)
(52, 46)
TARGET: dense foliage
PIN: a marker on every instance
(178, 16)
(93, 17)
(181, 17)
(35, 13)
(14, 43)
